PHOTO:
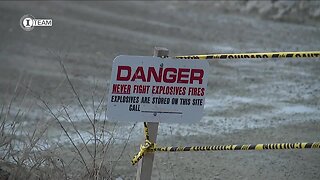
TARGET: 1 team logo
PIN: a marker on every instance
(28, 22)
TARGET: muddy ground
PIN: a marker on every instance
(247, 102)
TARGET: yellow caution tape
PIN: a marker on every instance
(240, 147)
(146, 132)
(147, 147)
(143, 148)
(306, 54)
(151, 147)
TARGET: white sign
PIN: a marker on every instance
(152, 89)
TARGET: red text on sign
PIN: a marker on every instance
(193, 91)
(121, 89)
(167, 75)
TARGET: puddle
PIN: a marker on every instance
(297, 109)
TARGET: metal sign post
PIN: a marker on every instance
(144, 170)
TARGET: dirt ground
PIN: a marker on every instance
(247, 102)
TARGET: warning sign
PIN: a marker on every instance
(152, 89)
